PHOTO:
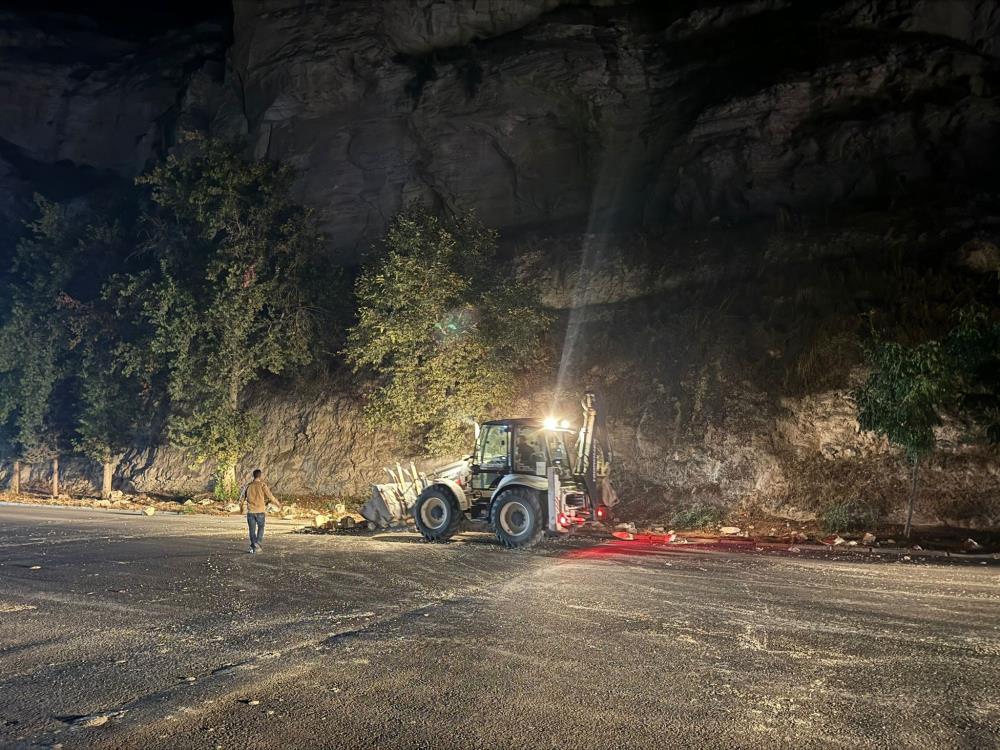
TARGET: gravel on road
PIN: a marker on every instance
(119, 630)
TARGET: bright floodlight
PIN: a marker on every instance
(551, 423)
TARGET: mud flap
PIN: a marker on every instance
(552, 495)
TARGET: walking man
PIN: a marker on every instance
(253, 502)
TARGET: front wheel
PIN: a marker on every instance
(436, 515)
(516, 518)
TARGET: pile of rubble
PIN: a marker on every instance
(338, 518)
(790, 539)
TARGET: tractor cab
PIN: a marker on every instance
(519, 446)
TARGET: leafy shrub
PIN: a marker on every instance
(849, 516)
(696, 516)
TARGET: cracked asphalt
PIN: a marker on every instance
(122, 631)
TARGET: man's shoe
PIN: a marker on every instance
(252, 550)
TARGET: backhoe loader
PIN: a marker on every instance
(525, 478)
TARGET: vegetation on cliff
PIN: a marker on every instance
(151, 315)
(446, 327)
(909, 389)
(164, 306)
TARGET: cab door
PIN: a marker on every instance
(529, 451)
(492, 460)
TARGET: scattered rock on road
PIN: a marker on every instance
(868, 539)
(149, 511)
(189, 502)
(730, 530)
(91, 721)
(321, 520)
(95, 720)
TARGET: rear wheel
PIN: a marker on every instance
(516, 518)
(436, 515)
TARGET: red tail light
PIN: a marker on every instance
(603, 513)
(562, 520)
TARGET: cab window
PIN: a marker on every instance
(529, 450)
(558, 453)
(493, 447)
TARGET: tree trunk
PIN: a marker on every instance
(913, 497)
(15, 481)
(229, 481)
(228, 474)
(55, 476)
(109, 473)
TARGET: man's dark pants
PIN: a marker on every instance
(256, 523)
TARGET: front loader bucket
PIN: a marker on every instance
(386, 507)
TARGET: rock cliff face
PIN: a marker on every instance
(724, 353)
(84, 107)
(540, 115)
(627, 114)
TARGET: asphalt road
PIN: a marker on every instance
(122, 631)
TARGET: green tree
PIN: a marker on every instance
(909, 388)
(62, 387)
(445, 327)
(108, 406)
(902, 398)
(114, 408)
(225, 299)
(36, 368)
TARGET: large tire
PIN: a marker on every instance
(437, 515)
(517, 518)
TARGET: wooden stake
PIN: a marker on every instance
(15, 481)
(55, 476)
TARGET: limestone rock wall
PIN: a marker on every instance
(314, 441)
(615, 114)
